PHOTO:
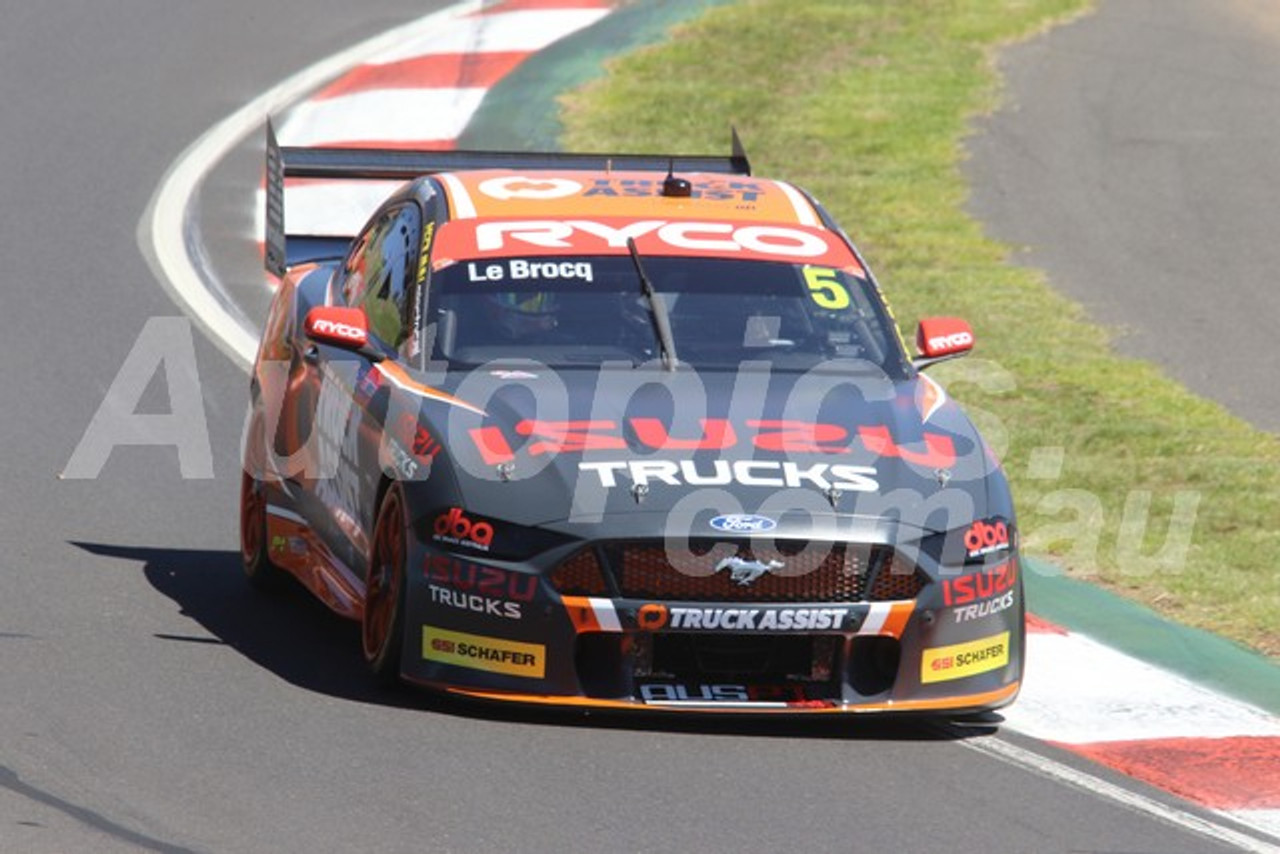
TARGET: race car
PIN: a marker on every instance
(621, 432)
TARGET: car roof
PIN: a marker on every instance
(549, 203)
(498, 212)
(513, 193)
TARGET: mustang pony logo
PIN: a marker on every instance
(745, 572)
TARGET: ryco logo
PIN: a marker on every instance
(698, 236)
(334, 329)
(954, 341)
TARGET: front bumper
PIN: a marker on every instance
(497, 631)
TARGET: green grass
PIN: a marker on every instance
(867, 104)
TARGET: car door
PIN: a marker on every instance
(350, 398)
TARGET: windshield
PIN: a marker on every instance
(584, 310)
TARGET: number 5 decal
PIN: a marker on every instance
(825, 288)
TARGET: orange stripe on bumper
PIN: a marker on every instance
(899, 613)
(987, 699)
(581, 613)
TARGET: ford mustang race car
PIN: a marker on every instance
(621, 431)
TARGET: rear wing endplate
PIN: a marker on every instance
(372, 164)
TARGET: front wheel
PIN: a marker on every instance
(382, 629)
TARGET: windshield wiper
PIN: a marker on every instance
(657, 311)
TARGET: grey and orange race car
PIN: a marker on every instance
(622, 431)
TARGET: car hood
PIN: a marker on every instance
(643, 452)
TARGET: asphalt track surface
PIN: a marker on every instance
(1138, 161)
(149, 701)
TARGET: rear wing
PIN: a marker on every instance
(372, 164)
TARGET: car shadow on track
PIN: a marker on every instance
(298, 639)
(288, 632)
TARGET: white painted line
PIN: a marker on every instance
(526, 31)
(1057, 771)
(327, 208)
(385, 115)
(1081, 692)
(1267, 821)
(162, 231)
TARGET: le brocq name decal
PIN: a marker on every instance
(944, 663)
(482, 653)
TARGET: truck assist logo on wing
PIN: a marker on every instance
(631, 194)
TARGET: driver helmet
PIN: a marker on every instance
(523, 314)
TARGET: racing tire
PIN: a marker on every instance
(255, 554)
(382, 626)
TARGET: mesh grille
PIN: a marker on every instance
(580, 575)
(809, 573)
(895, 578)
(818, 573)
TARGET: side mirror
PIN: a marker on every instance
(347, 328)
(941, 338)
